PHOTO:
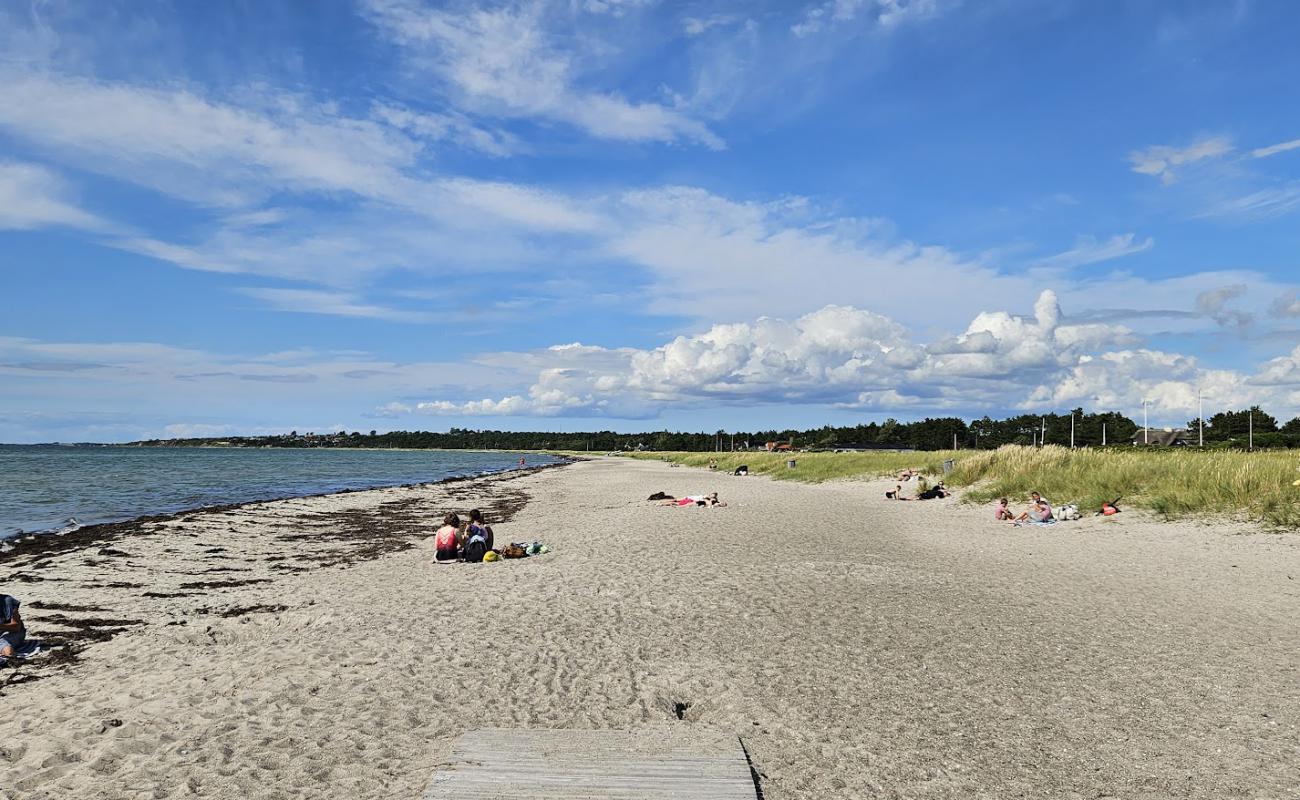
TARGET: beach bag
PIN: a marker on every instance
(660, 496)
(513, 550)
(1068, 511)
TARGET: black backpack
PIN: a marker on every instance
(475, 548)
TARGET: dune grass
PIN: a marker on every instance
(814, 467)
(1171, 482)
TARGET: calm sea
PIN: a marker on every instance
(43, 487)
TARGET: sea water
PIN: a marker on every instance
(43, 487)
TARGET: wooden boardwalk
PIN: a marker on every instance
(684, 763)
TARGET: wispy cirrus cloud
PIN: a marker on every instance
(502, 62)
(340, 304)
(1088, 250)
(884, 14)
(1164, 161)
(32, 196)
(1272, 150)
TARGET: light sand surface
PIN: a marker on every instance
(859, 647)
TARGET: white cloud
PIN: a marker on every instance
(447, 127)
(882, 13)
(1263, 204)
(503, 62)
(1162, 161)
(526, 206)
(341, 304)
(835, 355)
(1121, 380)
(1087, 250)
(694, 26)
(1281, 371)
(180, 142)
(1272, 150)
(1286, 305)
(34, 197)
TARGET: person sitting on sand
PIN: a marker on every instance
(478, 537)
(446, 541)
(1039, 511)
(12, 631)
(1003, 513)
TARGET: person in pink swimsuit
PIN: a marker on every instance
(446, 541)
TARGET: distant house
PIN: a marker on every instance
(1165, 437)
(778, 447)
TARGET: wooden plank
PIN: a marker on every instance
(683, 762)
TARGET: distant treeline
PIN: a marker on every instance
(1225, 429)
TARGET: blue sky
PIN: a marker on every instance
(247, 217)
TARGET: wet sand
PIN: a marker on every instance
(859, 647)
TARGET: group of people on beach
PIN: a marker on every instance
(456, 542)
(1039, 510)
(924, 491)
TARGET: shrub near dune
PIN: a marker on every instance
(1171, 482)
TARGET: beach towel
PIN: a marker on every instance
(1036, 522)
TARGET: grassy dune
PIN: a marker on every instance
(1174, 483)
(813, 467)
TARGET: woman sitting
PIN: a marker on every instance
(1039, 511)
(446, 541)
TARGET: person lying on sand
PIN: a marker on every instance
(695, 500)
(446, 541)
(937, 493)
(12, 631)
(907, 473)
(1003, 513)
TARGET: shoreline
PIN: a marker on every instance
(856, 646)
(13, 541)
(384, 516)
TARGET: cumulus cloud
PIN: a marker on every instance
(1163, 161)
(846, 357)
(1121, 380)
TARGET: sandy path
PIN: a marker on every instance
(859, 647)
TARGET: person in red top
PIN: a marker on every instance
(446, 541)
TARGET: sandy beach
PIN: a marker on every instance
(859, 647)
